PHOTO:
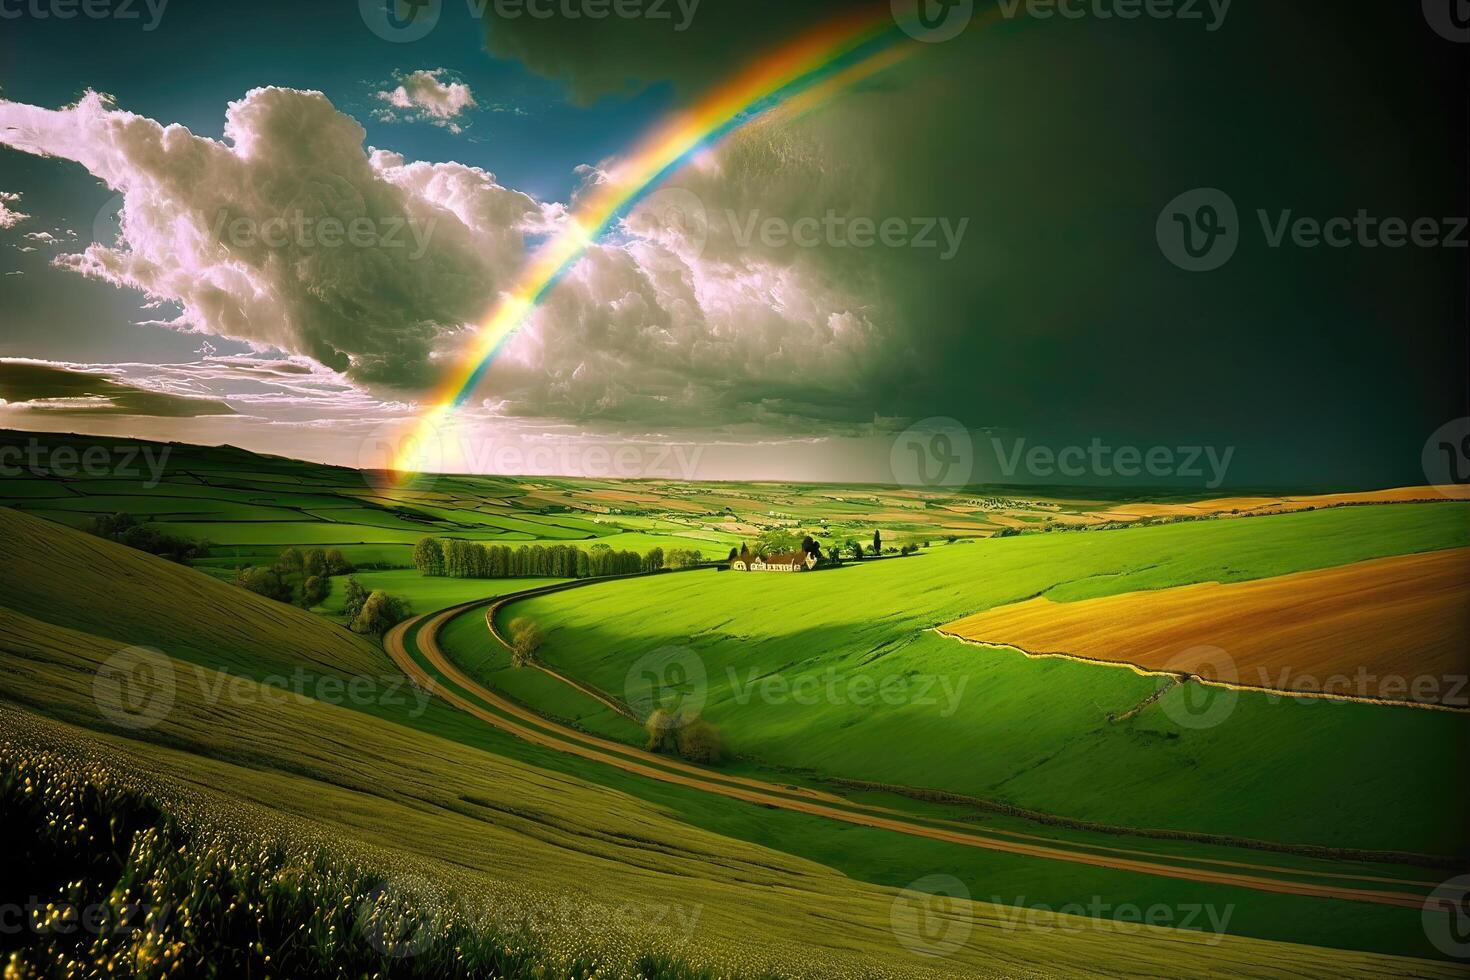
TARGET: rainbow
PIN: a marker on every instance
(791, 80)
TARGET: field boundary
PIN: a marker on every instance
(476, 700)
(1184, 677)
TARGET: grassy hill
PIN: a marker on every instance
(915, 709)
(349, 795)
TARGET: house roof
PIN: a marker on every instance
(788, 558)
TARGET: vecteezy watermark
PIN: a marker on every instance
(1446, 456)
(400, 21)
(1210, 13)
(1450, 690)
(1126, 918)
(671, 680)
(837, 688)
(932, 917)
(301, 231)
(834, 230)
(933, 21)
(1184, 696)
(1200, 230)
(1449, 18)
(405, 915)
(119, 461)
(136, 688)
(1446, 917)
(679, 13)
(674, 216)
(61, 918)
(402, 916)
(415, 452)
(148, 11)
(1103, 461)
(935, 452)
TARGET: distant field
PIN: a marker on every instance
(252, 507)
(996, 725)
(1404, 621)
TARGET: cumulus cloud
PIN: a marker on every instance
(664, 322)
(288, 234)
(429, 95)
(10, 218)
(54, 389)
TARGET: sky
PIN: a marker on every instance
(169, 175)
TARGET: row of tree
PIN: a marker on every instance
(125, 530)
(453, 558)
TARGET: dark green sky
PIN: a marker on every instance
(1059, 140)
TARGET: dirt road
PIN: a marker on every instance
(471, 697)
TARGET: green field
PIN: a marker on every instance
(250, 508)
(413, 780)
(426, 595)
(996, 725)
(422, 794)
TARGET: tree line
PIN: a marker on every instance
(453, 558)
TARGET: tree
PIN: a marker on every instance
(663, 734)
(525, 640)
(428, 557)
(380, 613)
(855, 549)
(337, 563)
(701, 742)
(290, 562)
(877, 542)
(654, 560)
(316, 589)
(315, 563)
(265, 582)
(777, 541)
(353, 600)
(682, 558)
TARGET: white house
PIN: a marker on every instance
(795, 561)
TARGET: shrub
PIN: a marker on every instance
(701, 742)
(525, 640)
(337, 563)
(356, 598)
(265, 582)
(316, 589)
(663, 734)
(380, 613)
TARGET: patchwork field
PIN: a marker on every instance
(1389, 628)
(840, 673)
(835, 686)
(491, 827)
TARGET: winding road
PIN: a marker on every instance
(442, 677)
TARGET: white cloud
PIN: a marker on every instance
(427, 95)
(8, 218)
(654, 325)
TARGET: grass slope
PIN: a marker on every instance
(996, 725)
(482, 826)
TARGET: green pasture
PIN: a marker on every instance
(915, 709)
(426, 595)
(415, 780)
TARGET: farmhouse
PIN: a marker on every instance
(794, 561)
